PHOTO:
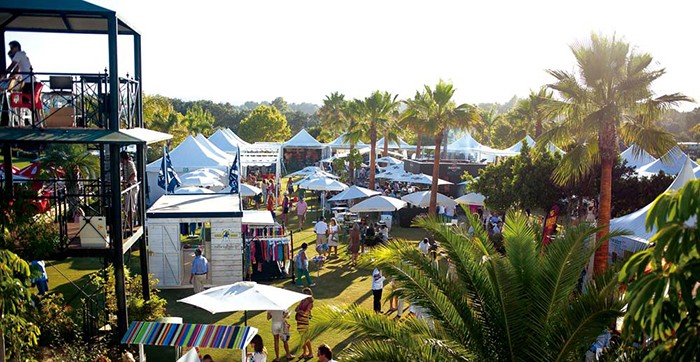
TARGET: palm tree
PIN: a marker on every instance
(355, 115)
(521, 306)
(609, 96)
(378, 108)
(333, 113)
(444, 116)
(390, 131)
(415, 117)
(77, 163)
(533, 111)
(489, 119)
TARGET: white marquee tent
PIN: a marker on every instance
(340, 144)
(303, 140)
(516, 148)
(224, 142)
(636, 161)
(401, 145)
(635, 222)
(211, 147)
(670, 163)
(237, 140)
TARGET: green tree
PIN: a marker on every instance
(281, 105)
(197, 120)
(445, 115)
(18, 333)
(333, 114)
(415, 117)
(378, 108)
(264, 124)
(489, 119)
(609, 96)
(77, 163)
(520, 306)
(357, 129)
(532, 113)
(663, 292)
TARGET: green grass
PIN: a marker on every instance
(339, 284)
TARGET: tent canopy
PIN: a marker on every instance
(670, 163)
(211, 147)
(223, 141)
(191, 155)
(340, 143)
(401, 145)
(516, 148)
(189, 335)
(472, 198)
(189, 190)
(391, 161)
(237, 140)
(257, 218)
(321, 184)
(303, 140)
(636, 160)
(244, 296)
(379, 204)
(422, 199)
(354, 192)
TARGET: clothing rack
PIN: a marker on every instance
(267, 252)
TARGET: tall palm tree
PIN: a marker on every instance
(517, 306)
(609, 96)
(444, 116)
(489, 119)
(77, 164)
(333, 113)
(390, 131)
(533, 111)
(415, 116)
(355, 115)
(378, 107)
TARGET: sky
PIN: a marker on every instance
(238, 51)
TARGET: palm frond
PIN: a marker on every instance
(577, 163)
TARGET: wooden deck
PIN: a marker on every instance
(76, 247)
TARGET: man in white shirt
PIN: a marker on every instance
(424, 246)
(450, 213)
(441, 213)
(377, 287)
(20, 66)
(321, 229)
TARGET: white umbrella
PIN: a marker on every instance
(190, 356)
(422, 199)
(391, 175)
(473, 198)
(245, 191)
(389, 160)
(379, 203)
(200, 180)
(422, 179)
(322, 184)
(393, 168)
(192, 190)
(354, 192)
(311, 170)
(244, 296)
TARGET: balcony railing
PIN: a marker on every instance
(68, 100)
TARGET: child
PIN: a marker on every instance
(377, 286)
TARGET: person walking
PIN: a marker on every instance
(280, 330)
(259, 351)
(301, 212)
(303, 317)
(354, 246)
(303, 266)
(377, 287)
(285, 209)
(38, 268)
(200, 269)
(333, 230)
(321, 231)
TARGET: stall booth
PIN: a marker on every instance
(213, 223)
(267, 247)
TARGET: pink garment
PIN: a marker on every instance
(301, 208)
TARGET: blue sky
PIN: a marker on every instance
(237, 51)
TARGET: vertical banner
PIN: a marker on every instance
(550, 225)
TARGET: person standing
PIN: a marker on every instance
(303, 317)
(279, 330)
(325, 354)
(285, 209)
(200, 269)
(377, 287)
(271, 206)
(321, 230)
(259, 351)
(129, 182)
(301, 212)
(354, 246)
(450, 213)
(424, 246)
(441, 213)
(20, 67)
(333, 230)
(38, 268)
(303, 266)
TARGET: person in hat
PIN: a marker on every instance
(377, 287)
(200, 269)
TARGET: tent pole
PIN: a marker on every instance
(245, 318)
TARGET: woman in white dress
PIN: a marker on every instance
(333, 230)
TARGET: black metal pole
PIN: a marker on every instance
(143, 250)
(138, 75)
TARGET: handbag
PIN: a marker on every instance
(285, 331)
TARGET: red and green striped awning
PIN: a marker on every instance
(189, 335)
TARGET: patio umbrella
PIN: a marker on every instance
(200, 180)
(191, 356)
(389, 160)
(422, 179)
(393, 168)
(322, 184)
(378, 204)
(422, 199)
(245, 190)
(472, 198)
(311, 170)
(192, 190)
(244, 296)
(354, 192)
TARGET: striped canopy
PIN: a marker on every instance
(189, 335)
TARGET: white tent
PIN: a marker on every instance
(311, 170)
(401, 145)
(391, 161)
(354, 192)
(303, 140)
(670, 163)
(379, 204)
(697, 172)
(421, 178)
(422, 199)
(224, 142)
(235, 138)
(321, 184)
(636, 161)
(198, 180)
(189, 190)
(473, 198)
(245, 190)
(211, 147)
(257, 217)
(516, 148)
(635, 222)
(467, 143)
(341, 144)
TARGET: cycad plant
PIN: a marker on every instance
(517, 306)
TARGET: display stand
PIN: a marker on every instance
(267, 252)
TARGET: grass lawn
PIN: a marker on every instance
(338, 284)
